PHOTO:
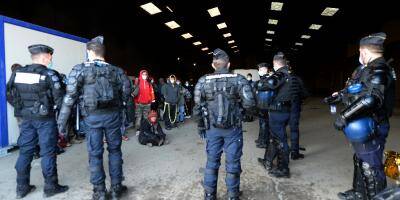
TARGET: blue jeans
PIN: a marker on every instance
(109, 126)
(44, 133)
(229, 141)
(181, 115)
(294, 126)
(371, 151)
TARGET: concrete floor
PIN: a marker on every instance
(175, 171)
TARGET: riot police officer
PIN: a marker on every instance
(279, 115)
(369, 99)
(102, 89)
(37, 95)
(299, 93)
(262, 97)
(219, 98)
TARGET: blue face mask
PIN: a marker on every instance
(50, 65)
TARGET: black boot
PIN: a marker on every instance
(282, 170)
(358, 191)
(296, 155)
(210, 196)
(117, 191)
(23, 190)
(54, 189)
(262, 145)
(373, 184)
(99, 192)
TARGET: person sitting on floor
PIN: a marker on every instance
(151, 133)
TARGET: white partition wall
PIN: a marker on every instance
(15, 37)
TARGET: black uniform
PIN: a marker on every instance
(219, 98)
(37, 95)
(101, 89)
(374, 103)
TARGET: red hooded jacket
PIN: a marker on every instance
(146, 91)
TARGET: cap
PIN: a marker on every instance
(374, 39)
(40, 48)
(219, 54)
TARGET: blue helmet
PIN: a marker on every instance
(264, 98)
(360, 129)
(355, 88)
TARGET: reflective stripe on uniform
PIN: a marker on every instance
(28, 78)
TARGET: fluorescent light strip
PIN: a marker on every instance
(204, 49)
(233, 47)
(299, 44)
(231, 41)
(268, 39)
(236, 51)
(305, 37)
(214, 12)
(187, 35)
(209, 53)
(227, 35)
(170, 10)
(329, 11)
(273, 21)
(277, 6)
(172, 25)
(221, 25)
(270, 32)
(197, 43)
(315, 26)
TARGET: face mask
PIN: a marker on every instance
(249, 78)
(187, 84)
(172, 81)
(50, 65)
(144, 77)
(261, 72)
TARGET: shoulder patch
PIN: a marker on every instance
(216, 76)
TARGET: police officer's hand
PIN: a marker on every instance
(340, 123)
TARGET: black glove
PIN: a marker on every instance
(340, 123)
(202, 133)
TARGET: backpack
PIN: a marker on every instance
(223, 106)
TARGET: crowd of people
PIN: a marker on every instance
(100, 102)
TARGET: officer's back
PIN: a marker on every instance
(37, 94)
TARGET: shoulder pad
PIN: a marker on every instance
(50, 72)
(379, 77)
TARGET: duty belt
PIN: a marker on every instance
(283, 106)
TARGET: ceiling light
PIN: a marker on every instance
(277, 6)
(315, 26)
(170, 10)
(227, 35)
(270, 32)
(150, 8)
(305, 37)
(214, 12)
(197, 43)
(204, 49)
(221, 25)
(329, 11)
(231, 41)
(267, 45)
(299, 44)
(233, 47)
(172, 25)
(209, 53)
(187, 35)
(236, 51)
(273, 21)
(268, 39)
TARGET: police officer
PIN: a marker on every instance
(263, 98)
(219, 98)
(299, 93)
(369, 97)
(37, 94)
(279, 115)
(102, 89)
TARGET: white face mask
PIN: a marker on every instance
(249, 78)
(262, 72)
(144, 77)
(172, 81)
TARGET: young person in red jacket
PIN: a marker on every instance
(144, 96)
